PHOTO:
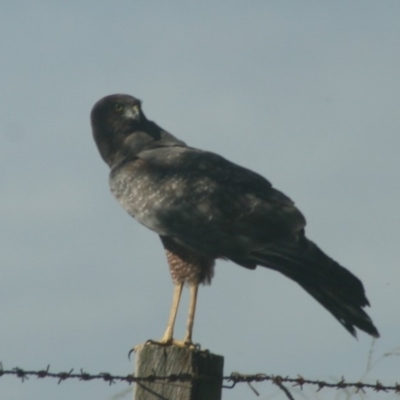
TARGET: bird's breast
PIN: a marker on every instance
(154, 195)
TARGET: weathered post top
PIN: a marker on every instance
(196, 374)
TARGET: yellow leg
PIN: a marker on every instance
(167, 338)
(190, 321)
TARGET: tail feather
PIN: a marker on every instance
(333, 286)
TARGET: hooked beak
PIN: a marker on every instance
(133, 113)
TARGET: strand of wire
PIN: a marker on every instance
(232, 379)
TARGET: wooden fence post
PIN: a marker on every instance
(172, 360)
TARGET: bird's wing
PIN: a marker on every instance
(213, 205)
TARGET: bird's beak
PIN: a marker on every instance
(132, 113)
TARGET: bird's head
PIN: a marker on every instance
(114, 118)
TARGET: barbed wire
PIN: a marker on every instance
(233, 379)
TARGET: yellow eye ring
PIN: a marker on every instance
(118, 107)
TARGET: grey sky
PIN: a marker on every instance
(305, 93)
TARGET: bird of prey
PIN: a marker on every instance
(205, 208)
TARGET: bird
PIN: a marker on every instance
(205, 207)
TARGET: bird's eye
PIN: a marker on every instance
(118, 107)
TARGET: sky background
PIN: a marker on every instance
(305, 93)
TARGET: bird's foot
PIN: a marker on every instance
(173, 342)
(187, 344)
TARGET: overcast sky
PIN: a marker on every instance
(305, 93)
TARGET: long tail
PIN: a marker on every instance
(337, 289)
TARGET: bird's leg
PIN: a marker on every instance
(167, 338)
(190, 321)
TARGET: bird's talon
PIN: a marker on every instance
(130, 352)
(135, 349)
(197, 346)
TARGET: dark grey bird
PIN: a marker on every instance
(205, 207)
